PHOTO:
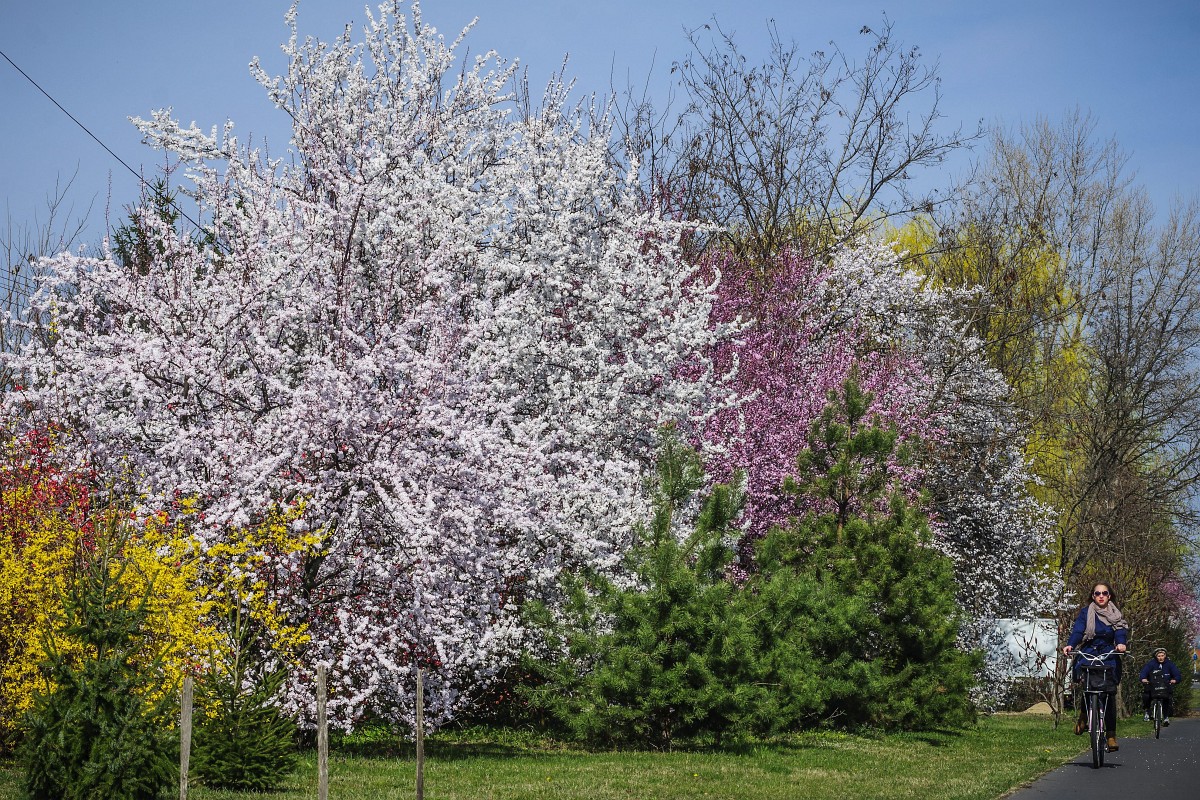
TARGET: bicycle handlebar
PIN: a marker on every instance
(1096, 658)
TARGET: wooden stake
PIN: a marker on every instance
(185, 736)
(322, 738)
(420, 736)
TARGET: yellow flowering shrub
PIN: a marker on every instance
(248, 576)
(44, 522)
(240, 574)
(48, 525)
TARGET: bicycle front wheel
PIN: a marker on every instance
(1156, 713)
(1096, 729)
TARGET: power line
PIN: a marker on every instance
(72, 116)
(84, 128)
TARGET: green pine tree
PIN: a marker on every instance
(96, 734)
(134, 245)
(145, 239)
(664, 658)
(791, 691)
(243, 741)
(873, 602)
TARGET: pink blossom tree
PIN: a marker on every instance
(813, 326)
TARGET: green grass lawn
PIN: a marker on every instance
(982, 762)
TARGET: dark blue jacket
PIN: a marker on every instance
(1105, 639)
(1168, 668)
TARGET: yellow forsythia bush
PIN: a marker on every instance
(45, 520)
(48, 523)
(241, 573)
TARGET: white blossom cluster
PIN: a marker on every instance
(448, 326)
(987, 521)
(975, 468)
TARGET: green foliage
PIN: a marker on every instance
(850, 618)
(95, 734)
(1177, 641)
(135, 244)
(243, 741)
(1179, 649)
(145, 240)
(873, 602)
(778, 603)
(660, 659)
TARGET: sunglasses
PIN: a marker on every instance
(1100, 594)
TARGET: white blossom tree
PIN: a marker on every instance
(445, 323)
(979, 482)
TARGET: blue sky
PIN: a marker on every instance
(1133, 64)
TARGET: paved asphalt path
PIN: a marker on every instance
(1156, 769)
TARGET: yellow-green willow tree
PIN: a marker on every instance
(1089, 304)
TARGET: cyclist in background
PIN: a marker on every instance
(1162, 667)
(1100, 628)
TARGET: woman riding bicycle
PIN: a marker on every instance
(1100, 628)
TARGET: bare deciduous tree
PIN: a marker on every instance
(1090, 307)
(1139, 425)
(1029, 234)
(21, 246)
(796, 150)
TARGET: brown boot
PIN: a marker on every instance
(1081, 725)
(1112, 744)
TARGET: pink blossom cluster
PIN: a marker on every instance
(1186, 605)
(805, 339)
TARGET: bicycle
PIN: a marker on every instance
(1099, 681)
(1160, 690)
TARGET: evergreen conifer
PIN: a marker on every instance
(662, 658)
(874, 602)
(243, 741)
(97, 733)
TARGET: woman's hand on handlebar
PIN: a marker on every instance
(1067, 650)
(1120, 648)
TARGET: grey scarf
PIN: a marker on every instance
(1111, 615)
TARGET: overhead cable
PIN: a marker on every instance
(84, 128)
